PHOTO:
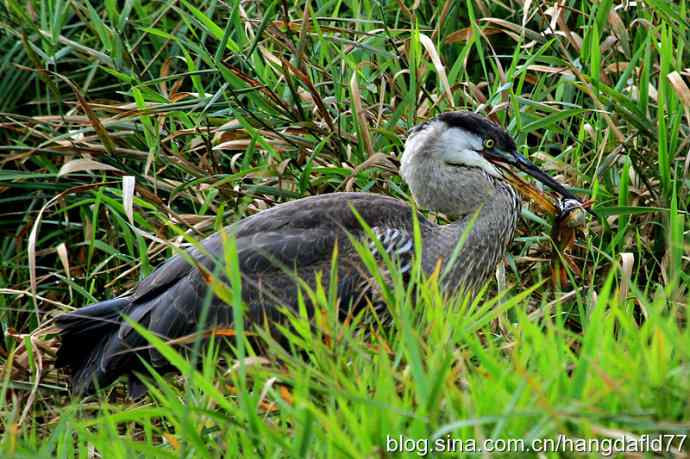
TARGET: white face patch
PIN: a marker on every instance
(450, 145)
(461, 148)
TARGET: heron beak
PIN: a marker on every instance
(515, 159)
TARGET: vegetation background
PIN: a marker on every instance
(122, 121)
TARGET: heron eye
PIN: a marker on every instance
(489, 143)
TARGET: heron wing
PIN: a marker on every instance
(296, 233)
(298, 237)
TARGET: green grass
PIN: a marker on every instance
(219, 109)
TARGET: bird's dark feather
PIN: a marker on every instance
(482, 127)
(296, 238)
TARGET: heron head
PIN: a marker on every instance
(462, 149)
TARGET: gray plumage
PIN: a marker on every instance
(450, 166)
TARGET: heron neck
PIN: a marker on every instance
(481, 237)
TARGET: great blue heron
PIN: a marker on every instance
(454, 164)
